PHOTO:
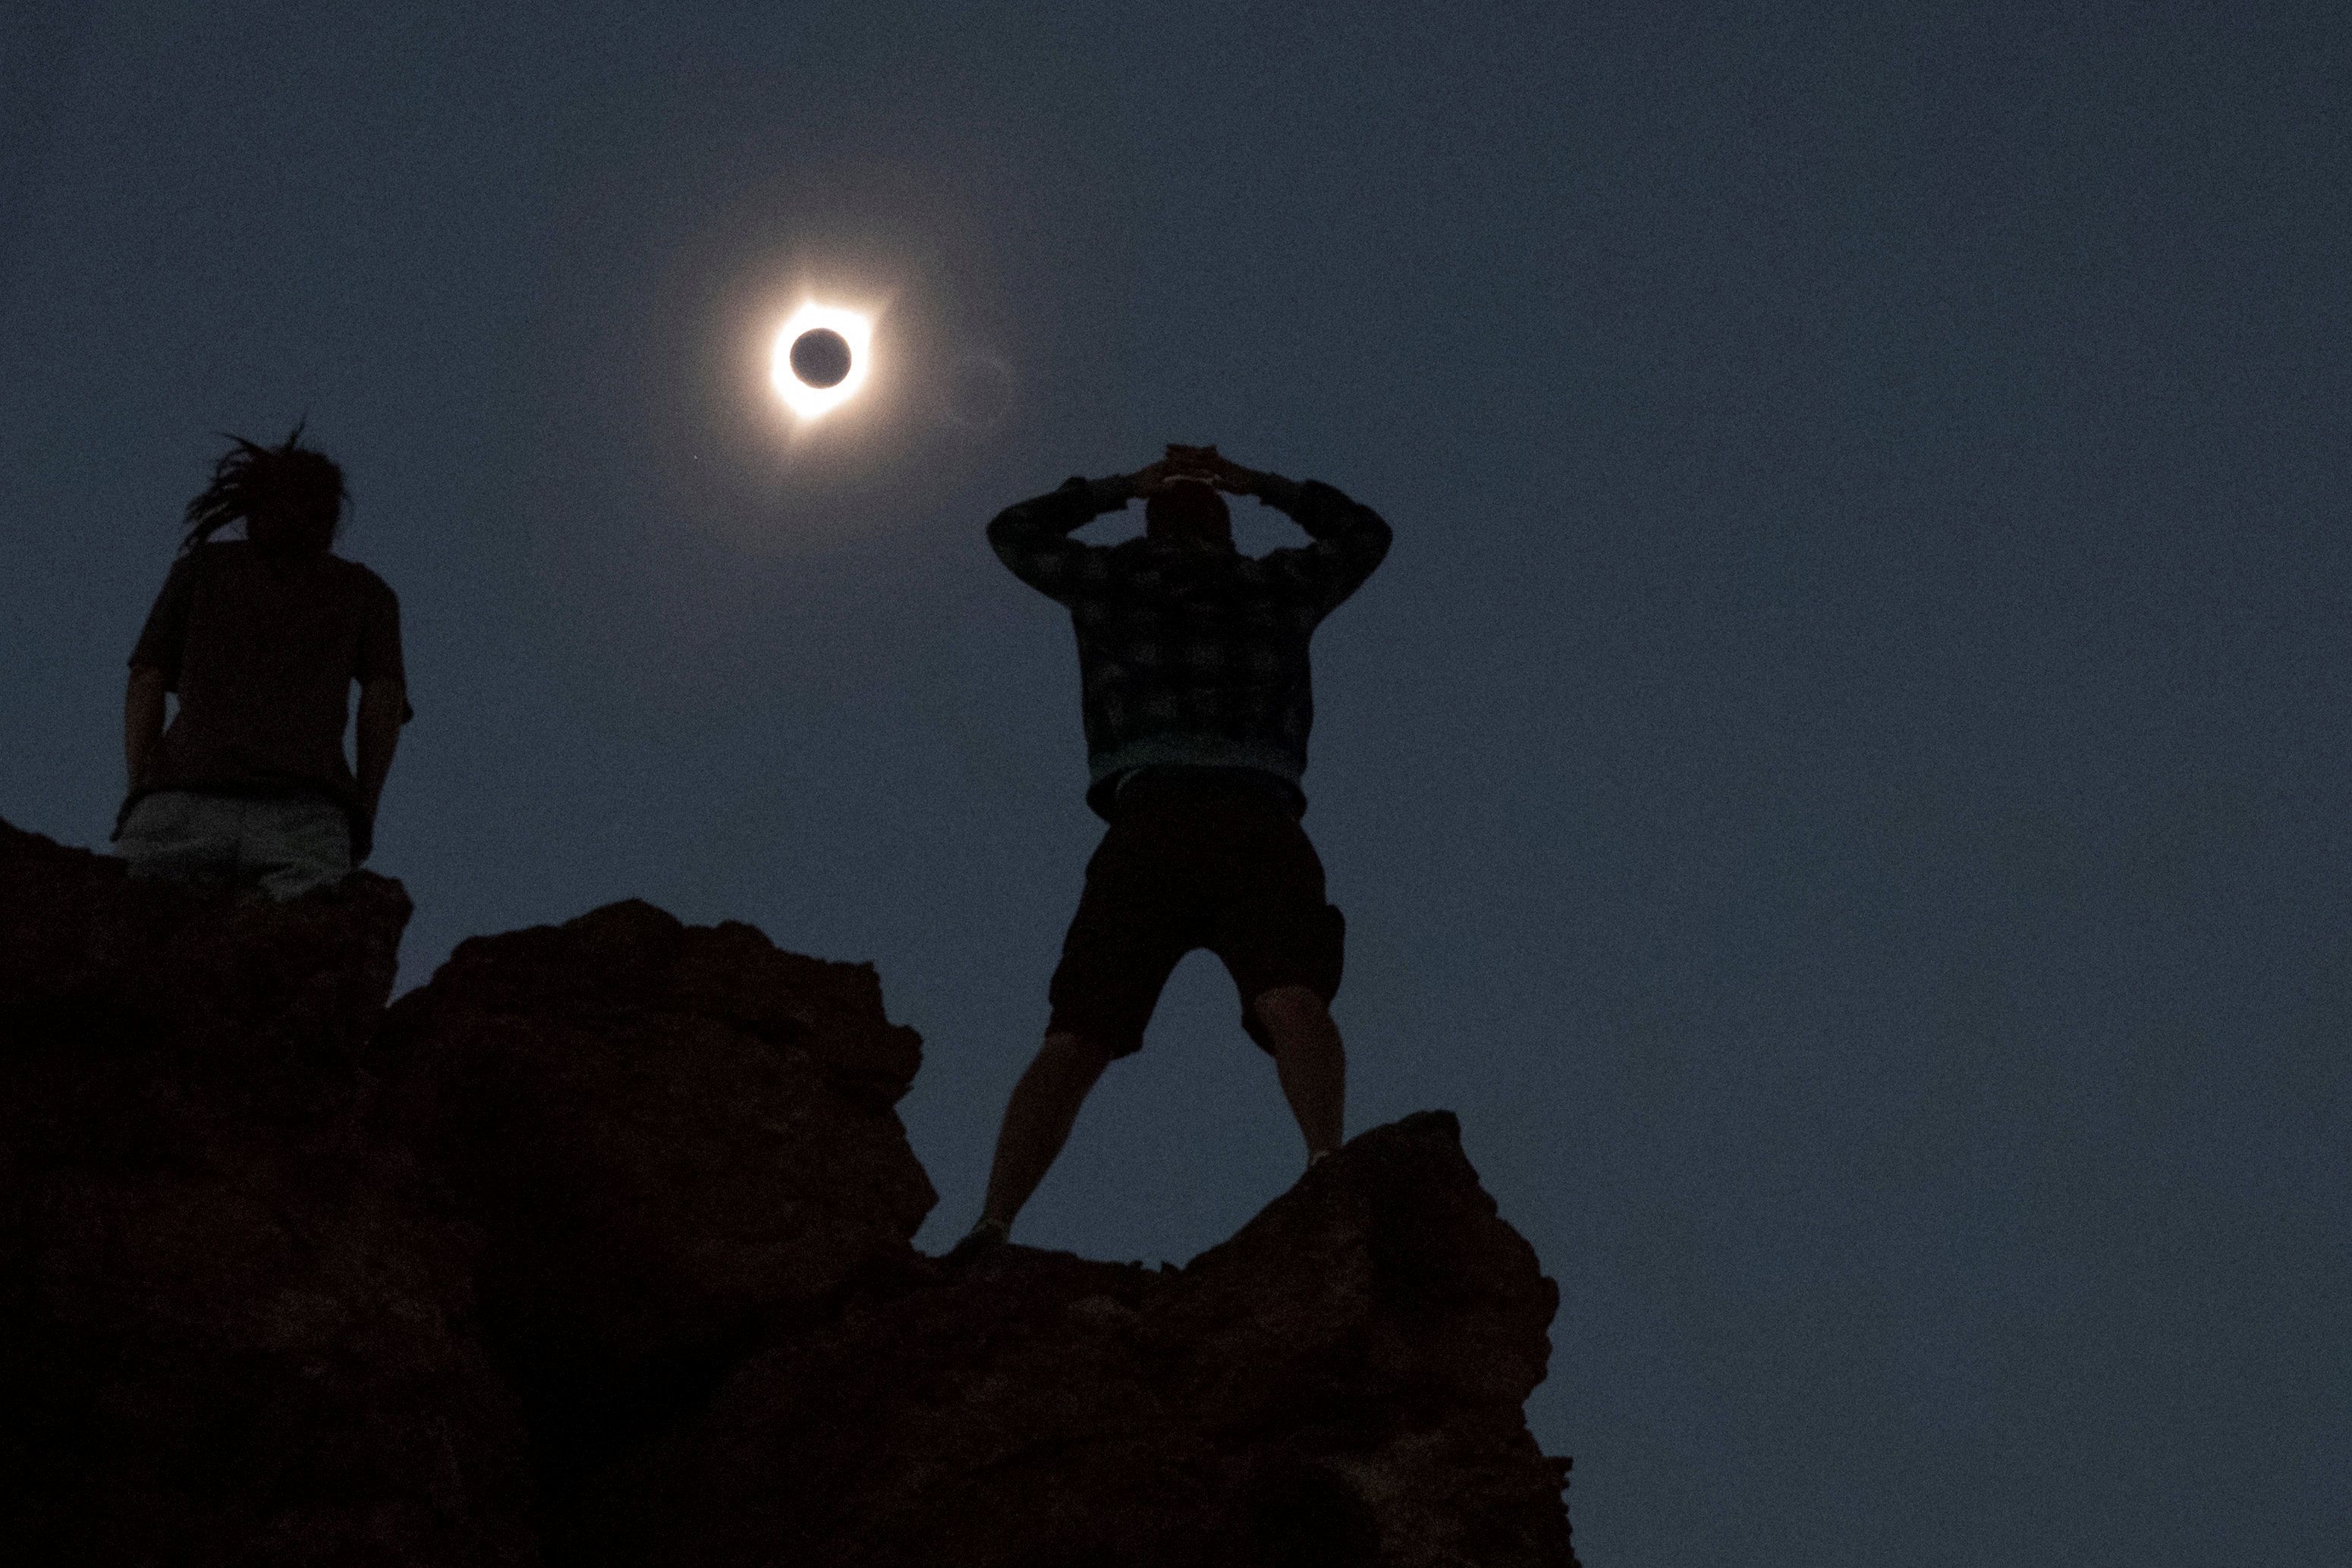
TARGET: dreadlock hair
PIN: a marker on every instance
(290, 497)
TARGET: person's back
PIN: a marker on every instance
(262, 639)
(1189, 652)
(1198, 704)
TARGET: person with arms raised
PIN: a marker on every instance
(1197, 703)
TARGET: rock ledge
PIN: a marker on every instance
(595, 1249)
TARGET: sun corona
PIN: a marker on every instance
(808, 400)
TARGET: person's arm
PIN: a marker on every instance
(382, 676)
(143, 719)
(1032, 540)
(155, 668)
(384, 707)
(1350, 538)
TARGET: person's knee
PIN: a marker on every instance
(1068, 1055)
(179, 836)
(286, 883)
(296, 846)
(1287, 1009)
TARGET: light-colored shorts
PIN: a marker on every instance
(287, 845)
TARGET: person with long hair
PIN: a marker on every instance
(261, 639)
(1192, 670)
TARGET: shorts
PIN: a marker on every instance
(286, 844)
(1193, 859)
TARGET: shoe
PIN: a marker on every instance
(982, 1239)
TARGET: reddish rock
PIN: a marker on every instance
(674, 1139)
(595, 1250)
(268, 999)
(228, 1332)
(1340, 1383)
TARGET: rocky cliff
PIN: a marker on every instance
(595, 1250)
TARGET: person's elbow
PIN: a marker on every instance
(383, 702)
(1028, 551)
(143, 698)
(1370, 538)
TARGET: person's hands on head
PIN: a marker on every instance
(1195, 465)
(1148, 479)
(1209, 465)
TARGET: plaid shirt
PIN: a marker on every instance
(1190, 654)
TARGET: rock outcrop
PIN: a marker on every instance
(673, 1142)
(595, 1249)
(231, 1332)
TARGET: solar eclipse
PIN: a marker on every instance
(820, 359)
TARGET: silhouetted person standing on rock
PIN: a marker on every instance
(262, 637)
(1193, 669)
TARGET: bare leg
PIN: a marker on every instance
(1311, 1061)
(1037, 1121)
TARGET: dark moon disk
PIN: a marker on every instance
(821, 357)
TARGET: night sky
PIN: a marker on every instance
(1841, 782)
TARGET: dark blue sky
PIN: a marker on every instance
(1841, 783)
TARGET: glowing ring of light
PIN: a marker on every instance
(805, 401)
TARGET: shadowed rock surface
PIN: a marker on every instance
(1340, 1383)
(673, 1140)
(595, 1250)
(230, 1332)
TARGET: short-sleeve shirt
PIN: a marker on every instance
(262, 650)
